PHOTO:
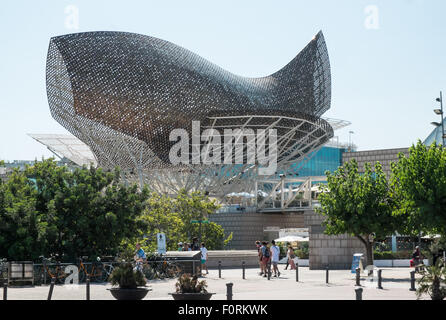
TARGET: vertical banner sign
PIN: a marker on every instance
(161, 239)
(357, 263)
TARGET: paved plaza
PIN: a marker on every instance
(311, 286)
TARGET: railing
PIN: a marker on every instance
(157, 268)
(63, 270)
(237, 209)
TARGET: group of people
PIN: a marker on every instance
(195, 246)
(269, 256)
(186, 246)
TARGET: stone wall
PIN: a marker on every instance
(336, 252)
(248, 227)
(385, 157)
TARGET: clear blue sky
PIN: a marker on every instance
(384, 80)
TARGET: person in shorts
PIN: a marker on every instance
(266, 257)
(275, 253)
(204, 257)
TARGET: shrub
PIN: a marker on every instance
(302, 254)
(389, 255)
(188, 284)
(126, 278)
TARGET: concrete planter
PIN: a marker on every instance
(191, 296)
(301, 262)
(400, 263)
(129, 294)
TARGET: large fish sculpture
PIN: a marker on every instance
(123, 93)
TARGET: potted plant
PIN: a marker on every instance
(189, 288)
(129, 283)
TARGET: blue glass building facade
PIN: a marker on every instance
(325, 159)
(436, 135)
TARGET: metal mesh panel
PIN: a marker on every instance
(123, 93)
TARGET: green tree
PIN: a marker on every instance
(160, 216)
(86, 211)
(419, 181)
(173, 216)
(21, 226)
(197, 206)
(358, 204)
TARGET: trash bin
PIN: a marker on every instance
(20, 272)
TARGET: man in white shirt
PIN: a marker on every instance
(204, 257)
(275, 250)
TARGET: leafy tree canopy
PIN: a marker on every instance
(419, 181)
(358, 204)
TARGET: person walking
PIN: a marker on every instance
(291, 255)
(275, 253)
(204, 257)
(180, 246)
(417, 258)
(266, 258)
(287, 257)
(259, 254)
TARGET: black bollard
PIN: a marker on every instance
(269, 272)
(358, 276)
(219, 269)
(243, 269)
(44, 272)
(412, 281)
(229, 291)
(380, 279)
(50, 293)
(326, 275)
(5, 289)
(297, 272)
(358, 294)
(88, 287)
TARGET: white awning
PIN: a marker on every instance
(292, 239)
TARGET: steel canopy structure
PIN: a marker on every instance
(122, 94)
(68, 147)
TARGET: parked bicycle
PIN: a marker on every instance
(3, 269)
(98, 272)
(158, 267)
(53, 268)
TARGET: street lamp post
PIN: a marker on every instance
(350, 142)
(440, 112)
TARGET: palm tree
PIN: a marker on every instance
(433, 281)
